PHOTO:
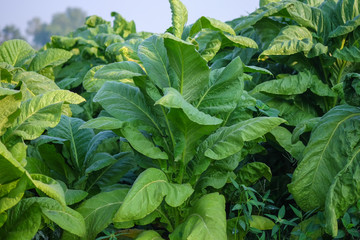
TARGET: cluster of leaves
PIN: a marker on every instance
(179, 129)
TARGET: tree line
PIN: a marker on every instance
(39, 32)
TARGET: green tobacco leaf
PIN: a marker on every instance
(186, 134)
(49, 186)
(89, 81)
(265, 2)
(150, 234)
(152, 53)
(100, 161)
(67, 218)
(293, 113)
(351, 54)
(206, 220)
(23, 221)
(69, 129)
(126, 103)
(227, 141)
(16, 52)
(238, 41)
(49, 58)
(104, 123)
(8, 105)
(12, 169)
(352, 89)
(190, 68)
(36, 83)
(141, 144)
(304, 126)
(291, 39)
(73, 196)
(302, 13)
(147, 193)
(210, 23)
(211, 46)
(252, 172)
(11, 193)
(290, 85)
(346, 10)
(123, 27)
(284, 138)
(254, 69)
(112, 172)
(343, 193)
(346, 28)
(119, 71)
(7, 91)
(262, 12)
(173, 99)
(179, 16)
(333, 144)
(224, 89)
(41, 112)
(99, 210)
(261, 223)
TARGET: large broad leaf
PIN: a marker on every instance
(99, 210)
(11, 193)
(291, 39)
(15, 52)
(173, 99)
(49, 186)
(142, 144)
(206, 220)
(104, 123)
(351, 54)
(352, 89)
(126, 103)
(147, 193)
(293, 112)
(12, 169)
(190, 68)
(284, 138)
(35, 83)
(150, 234)
(152, 53)
(343, 193)
(40, 112)
(224, 89)
(303, 14)
(179, 16)
(227, 141)
(23, 221)
(67, 218)
(295, 84)
(8, 105)
(210, 23)
(121, 26)
(334, 143)
(119, 71)
(68, 128)
(252, 172)
(346, 28)
(49, 58)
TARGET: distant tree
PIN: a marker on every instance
(61, 24)
(10, 32)
(39, 31)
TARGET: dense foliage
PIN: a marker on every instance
(241, 130)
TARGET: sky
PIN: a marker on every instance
(149, 15)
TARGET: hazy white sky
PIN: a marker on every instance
(153, 16)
